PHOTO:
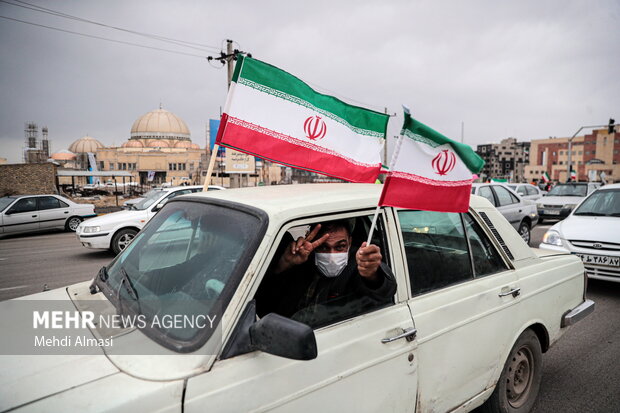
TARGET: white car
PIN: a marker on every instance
(31, 213)
(116, 230)
(468, 314)
(527, 191)
(521, 213)
(562, 198)
(592, 231)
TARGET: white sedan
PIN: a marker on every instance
(527, 191)
(116, 230)
(31, 213)
(592, 231)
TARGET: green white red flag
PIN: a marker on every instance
(545, 177)
(429, 171)
(274, 115)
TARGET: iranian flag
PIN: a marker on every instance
(545, 177)
(272, 114)
(429, 171)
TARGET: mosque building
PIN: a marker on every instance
(159, 150)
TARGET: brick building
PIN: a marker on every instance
(591, 154)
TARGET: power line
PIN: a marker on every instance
(182, 43)
(103, 38)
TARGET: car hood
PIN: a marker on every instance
(118, 217)
(601, 229)
(559, 200)
(26, 378)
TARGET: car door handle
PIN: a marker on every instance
(34, 216)
(408, 333)
(66, 212)
(515, 292)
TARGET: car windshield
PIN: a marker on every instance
(569, 190)
(513, 187)
(601, 203)
(187, 261)
(149, 199)
(5, 201)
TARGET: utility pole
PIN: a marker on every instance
(229, 60)
(570, 148)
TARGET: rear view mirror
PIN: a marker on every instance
(283, 337)
(158, 206)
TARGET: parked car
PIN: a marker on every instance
(116, 230)
(527, 191)
(592, 231)
(562, 198)
(128, 204)
(31, 213)
(520, 213)
(474, 310)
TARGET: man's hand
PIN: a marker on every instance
(368, 259)
(298, 251)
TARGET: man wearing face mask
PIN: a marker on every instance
(323, 276)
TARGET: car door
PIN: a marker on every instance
(361, 365)
(53, 213)
(22, 216)
(461, 305)
(509, 205)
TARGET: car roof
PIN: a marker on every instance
(305, 199)
(609, 186)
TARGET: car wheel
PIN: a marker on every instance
(524, 231)
(520, 379)
(122, 238)
(540, 221)
(73, 223)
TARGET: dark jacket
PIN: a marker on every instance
(304, 294)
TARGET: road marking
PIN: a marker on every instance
(14, 288)
(2, 259)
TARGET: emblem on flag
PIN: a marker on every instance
(315, 128)
(444, 162)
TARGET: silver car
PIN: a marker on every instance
(527, 191)
(30, 213)
(521, 213)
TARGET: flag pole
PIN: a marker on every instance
(205, 186)
(392, 162)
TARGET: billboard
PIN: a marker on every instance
(239, 162)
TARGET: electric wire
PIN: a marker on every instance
(178, 42)
(103, 38)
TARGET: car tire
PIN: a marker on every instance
(520, 379)
(72, 223)
(121, 239)
(524, 232)
(540, 221)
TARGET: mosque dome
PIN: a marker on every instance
(183, 144)
(63, 155)
(157, 143)
(160, 124)
(85, 144)
(133, 143)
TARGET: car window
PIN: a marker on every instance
(306, 292)
(522, 190)
(531, 190)
(486, 192)
(435, 248)
(24, 205)
(177, 193)
(485, 257)
(601, 203)
(504, 197)
(5, 202)
(48, 202)
(568, 190)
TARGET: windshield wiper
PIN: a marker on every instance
(102, 275)
(131, 290)
(590, 214)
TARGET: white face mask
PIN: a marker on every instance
(331, 265)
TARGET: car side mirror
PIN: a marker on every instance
(273, 334)
(158, 206)
(283, 337)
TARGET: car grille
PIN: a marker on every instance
(596, 246)
(601, 270)
(552, 206)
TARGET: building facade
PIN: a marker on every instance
(591, 155)
(505, 160)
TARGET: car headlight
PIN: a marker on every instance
(552, 238)
(90, 230)
(569, 206)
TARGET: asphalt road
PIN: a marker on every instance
(581, 372)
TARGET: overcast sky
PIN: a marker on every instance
(524, 69)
